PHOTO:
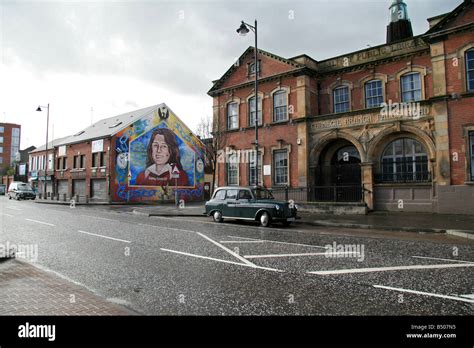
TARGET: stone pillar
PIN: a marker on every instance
(368, 183)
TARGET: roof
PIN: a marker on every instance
(217, 83)
(440, 26)
(51, 144)
(108, 126)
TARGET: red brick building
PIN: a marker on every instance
(10, 135)
(137, 156)
(391, 126)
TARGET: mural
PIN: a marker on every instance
(156, 157)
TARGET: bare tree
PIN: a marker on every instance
(213, 137)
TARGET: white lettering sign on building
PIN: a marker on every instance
(62, 150)
(98, 145)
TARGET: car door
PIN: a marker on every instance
(230, 203)
(244, 204)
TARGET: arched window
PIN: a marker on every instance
(373, 94)
(470, 70)
(341, 99)
(404, 160)
(411, 87)
(279, 106)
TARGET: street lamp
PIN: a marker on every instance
(243, 30)
(46, 150)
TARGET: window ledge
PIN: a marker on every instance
(279, 122)
(469, 183)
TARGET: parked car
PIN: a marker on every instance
(20, 190)
(245, 203)
(3, 189)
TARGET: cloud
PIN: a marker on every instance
(140, 53)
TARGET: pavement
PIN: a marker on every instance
(459, 225)
(28, 290)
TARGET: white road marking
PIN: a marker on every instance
(303, 254)
(424, 293)
(274, 241)
(99, 235)
(436, 258)
(97, 217)
(395, 268)
(40, 222)
(228, 250)
(242, 241)
(220, 260)
(471, 296)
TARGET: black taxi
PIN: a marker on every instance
(249, 203)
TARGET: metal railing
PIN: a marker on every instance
(402, 171)
(331, 193)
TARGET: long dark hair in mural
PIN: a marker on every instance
(163, 165)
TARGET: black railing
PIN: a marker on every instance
(334, 193)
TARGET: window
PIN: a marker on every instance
(98, 159)
(62, 162)
(220, 195)
(2, 129)
(252, 111)
(252, 167)
(279, 106)
(245, 194)
(1, 140)
(280, 163)
(470, 69)
(341, 99)
(373, 94)
(231, 194)
(471, 147)
(252, 68)
(1, 149)
(1, 160)
(411, 87)
(79, 161)
(404, 160)
(232, 116)
(232, 169)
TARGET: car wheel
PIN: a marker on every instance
(217, 216)
(265, 219)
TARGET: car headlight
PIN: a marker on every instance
(277, 207)
(296, 206)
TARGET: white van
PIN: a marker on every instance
(20, 190)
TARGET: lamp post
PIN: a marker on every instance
(243, 30)
(46, 150)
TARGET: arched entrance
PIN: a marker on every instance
(338, 173)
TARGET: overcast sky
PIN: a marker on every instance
(96, 59)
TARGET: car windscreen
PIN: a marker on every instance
(261, 193)
(24, 187)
